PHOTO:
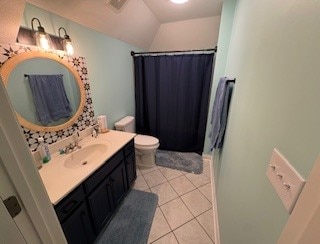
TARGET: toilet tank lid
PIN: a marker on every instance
(124, 121)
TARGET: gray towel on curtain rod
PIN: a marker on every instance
(49, 97)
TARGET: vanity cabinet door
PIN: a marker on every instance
(100, 205)
(78, 228)
(131, 169)
(129, 148)
(94, 180)
(118, 184)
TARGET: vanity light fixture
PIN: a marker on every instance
(42, 38)
(179, 1)
(66, 42)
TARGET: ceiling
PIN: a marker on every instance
(139, 20)
(166, 11)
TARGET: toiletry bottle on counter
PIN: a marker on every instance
(44, 150)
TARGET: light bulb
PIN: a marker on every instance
(179, 1)
(44, 42)
(68, 48)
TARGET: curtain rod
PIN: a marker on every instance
(180, 51)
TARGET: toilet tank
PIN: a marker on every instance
(126, 124)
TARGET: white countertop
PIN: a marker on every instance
(60, 180)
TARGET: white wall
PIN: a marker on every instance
(186, 35)
(274, 54)
(225, 30)
(10, 12)
(110, 65)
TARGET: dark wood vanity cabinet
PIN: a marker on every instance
(78, 228)
(74, 218)
(106, 197)
(87, 209)
(100, 205)
(118, 184)
(130, 162)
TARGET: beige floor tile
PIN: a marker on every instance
(192, 233)
(138, 172)
(154, 178)
(184, 172)
(182, 185)
(165, 193)
(206, 171)
(176, 213)
(206, 221)
(170, 173)
(167, 239)
(206, 190)
(159, 226)
(147, 170)
(196, 202)
(140, 183)
(198, 180)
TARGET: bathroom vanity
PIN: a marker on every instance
(86, 194)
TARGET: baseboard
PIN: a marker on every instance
(214, 201)
(207, 157)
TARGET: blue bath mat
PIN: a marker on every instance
(132, 221)
(185, 161)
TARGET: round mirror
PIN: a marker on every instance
(16, 73)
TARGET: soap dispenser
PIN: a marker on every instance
(44, 150)
(76, 134)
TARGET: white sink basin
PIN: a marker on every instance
(84, 156)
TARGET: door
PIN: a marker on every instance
(303, 224)
(37, 221)
(18, 226)
(9, 232)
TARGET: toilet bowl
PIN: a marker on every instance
(145, 146)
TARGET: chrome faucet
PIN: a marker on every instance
(76, 145)
(71, 147)
(95, 131)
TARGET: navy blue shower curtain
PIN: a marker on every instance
(172, 99)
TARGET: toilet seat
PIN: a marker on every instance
(146, 142)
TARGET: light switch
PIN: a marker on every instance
(287, 182)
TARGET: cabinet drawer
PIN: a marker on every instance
(102, 172)
(69, 204)
(129, 148)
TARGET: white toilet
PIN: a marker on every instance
(145, 146)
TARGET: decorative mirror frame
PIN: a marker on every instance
(10, 65)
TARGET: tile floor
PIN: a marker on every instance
(184, 214)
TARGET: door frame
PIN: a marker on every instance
(9, 231)
(20, 168)
(303, 224)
